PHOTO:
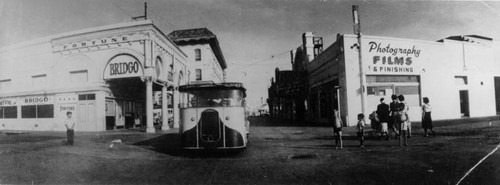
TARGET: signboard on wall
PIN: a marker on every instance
(123, 66)
(36, 100)
(8, 102)
(398, 57)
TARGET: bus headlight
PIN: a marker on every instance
(227, 117)
(192, 119)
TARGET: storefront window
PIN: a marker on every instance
(45, 111)
(28, 111)
(390, 78)
(37, 111)
(10, 112)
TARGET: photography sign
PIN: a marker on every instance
(123, 66)
(397, 57)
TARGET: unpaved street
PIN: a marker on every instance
(276, 155)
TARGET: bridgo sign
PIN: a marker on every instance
(392, 57)
(123, 66)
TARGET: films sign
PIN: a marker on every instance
(392, 57)
(123, 66)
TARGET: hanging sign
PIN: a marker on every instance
(123, 66)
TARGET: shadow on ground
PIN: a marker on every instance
(171, 144)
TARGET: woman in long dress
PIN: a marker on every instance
(426, 117)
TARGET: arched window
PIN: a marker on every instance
(197, 54)
(159, 67)
(198, 74)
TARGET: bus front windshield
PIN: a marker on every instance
(214, 98)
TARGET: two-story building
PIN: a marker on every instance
(205, 59)
(105, 76)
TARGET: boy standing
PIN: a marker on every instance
(70, 126)
(361, 129)
(337, 129)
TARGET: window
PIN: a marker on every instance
(198, 74)
(5, 84)
(38, 81)
(461, 80)
(45, 111)
(9, 112)
(197, 54)
(79, 76)
(37, 111)
(158, 67)
(83, 97)
(28, 111)
(390, 78)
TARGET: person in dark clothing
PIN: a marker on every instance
(383, 112)
(394, 108)
(426, 117)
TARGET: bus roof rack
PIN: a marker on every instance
(210, 84)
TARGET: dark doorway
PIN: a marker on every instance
(110, 122)
(464, 103)
(497, 94)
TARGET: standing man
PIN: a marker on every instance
(383, 112)
(70, 127)
(393, 122)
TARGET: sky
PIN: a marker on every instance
(256, 36)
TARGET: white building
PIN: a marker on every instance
(459, 74)
(205, 59)
(105, 76)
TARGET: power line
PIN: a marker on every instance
(253, 63)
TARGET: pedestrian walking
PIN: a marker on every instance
(337, 129)
(383, 112)
(394, 114)
(361, 129)
(426, 117)
(403, 121)
(70, 128)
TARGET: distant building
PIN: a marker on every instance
(289, 89)
(206, 61)
(105, 76)
(459, 74)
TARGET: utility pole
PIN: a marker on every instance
(145, 16)
(362, 76)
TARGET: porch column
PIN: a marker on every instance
(164, 108)
(149, 106)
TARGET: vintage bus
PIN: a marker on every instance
(213, 116)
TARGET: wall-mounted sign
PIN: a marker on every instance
(382, 56)
(123, 66)
(36, 100)
(97, 42)
(8, 102)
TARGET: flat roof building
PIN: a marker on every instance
(460, 75)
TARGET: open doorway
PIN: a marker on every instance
(464, 103)
(124, 107)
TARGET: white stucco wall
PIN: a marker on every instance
(54, 57)
(437, 66)
(211, 69)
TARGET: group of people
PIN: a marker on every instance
(393, 117)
